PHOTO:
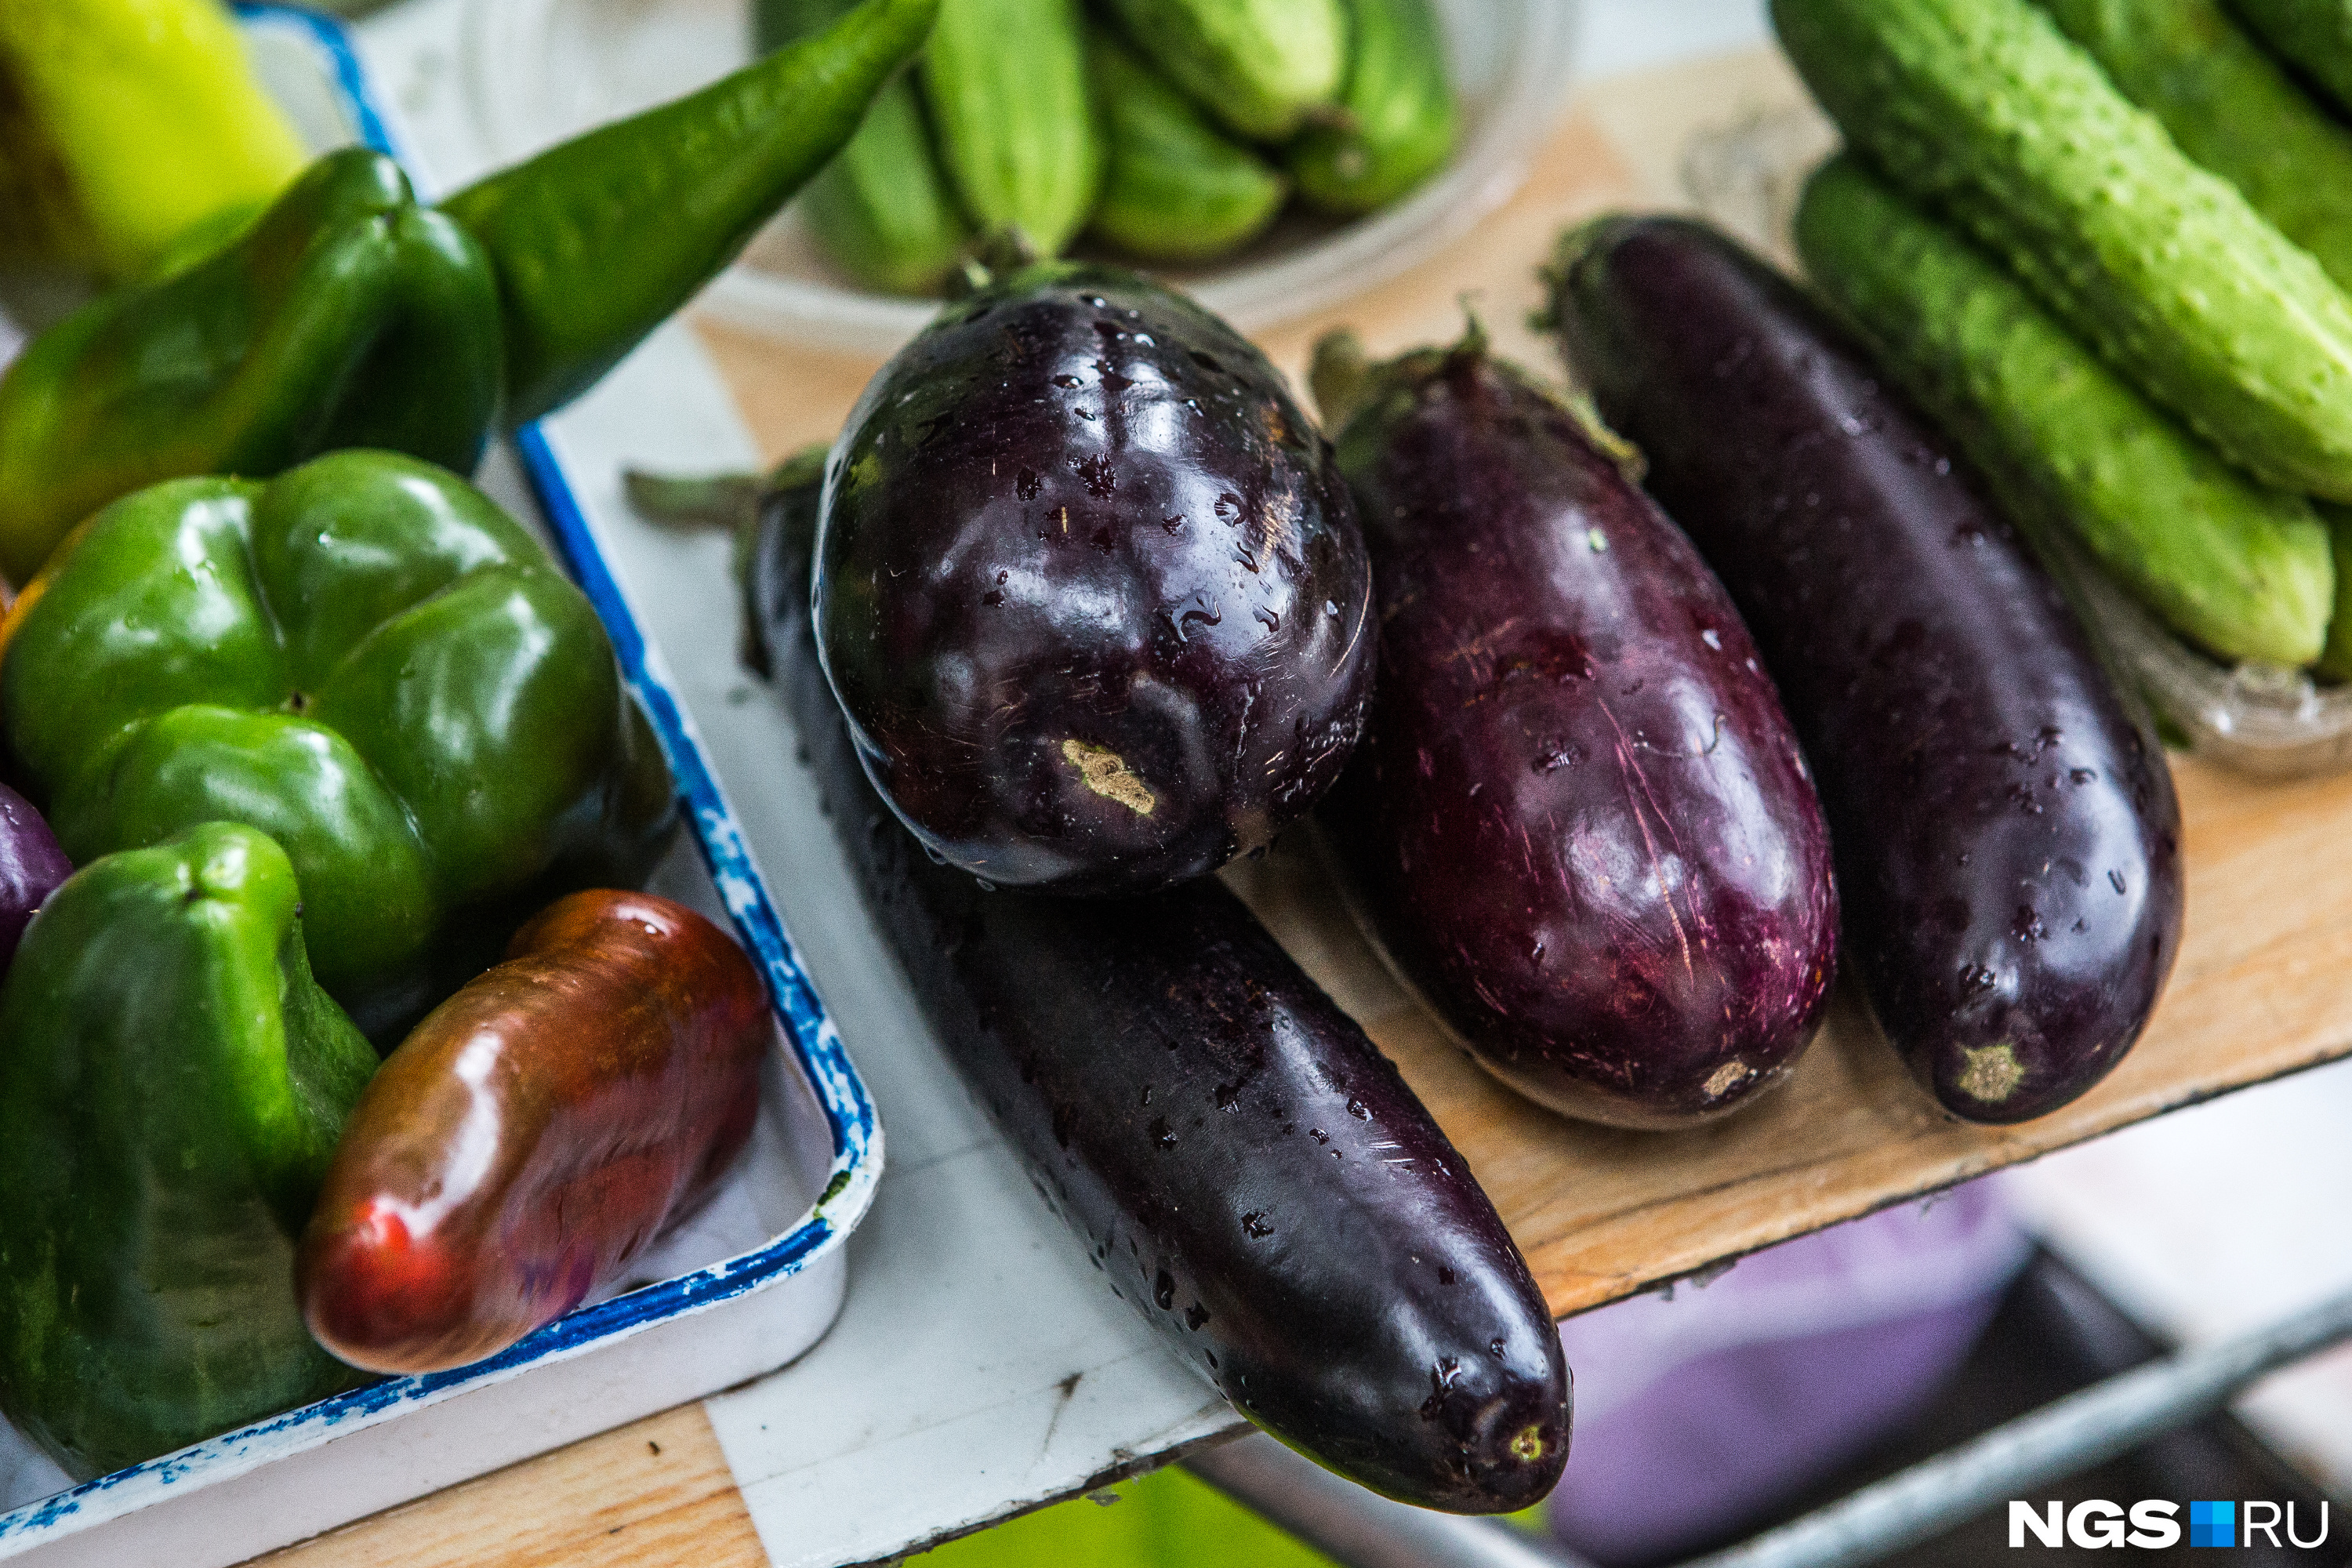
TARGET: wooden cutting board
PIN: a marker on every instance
(2263, 985)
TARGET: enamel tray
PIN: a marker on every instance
(742, 1287)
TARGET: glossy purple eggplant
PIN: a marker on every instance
(31, 866)
(2008, 841)
(1239, 1161)
(1089, 589)
(1579, 824)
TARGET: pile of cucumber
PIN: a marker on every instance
(2108, 244)
(1172, 131)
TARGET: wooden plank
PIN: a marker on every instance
(654, 1494)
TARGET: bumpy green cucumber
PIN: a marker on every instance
(1177, 189)
(881, 211)
(2233, 107)
(2242, 570)
(1006, 84)
(1263, 67)
(1400, 96)
(1984, 108)
(2315, 36)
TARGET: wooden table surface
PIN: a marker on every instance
(2263, 985)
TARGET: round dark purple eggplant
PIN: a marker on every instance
(1240, 1161)
(2008, 841)
(31, 866)
(1089, 589)
(1579, 824)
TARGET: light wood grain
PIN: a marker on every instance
(2263, 985)
(655, 1494)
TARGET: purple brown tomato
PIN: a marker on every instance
(1579, 824)
(31, 866)
(1089, 589)
(2009, 843)
(535, 1133)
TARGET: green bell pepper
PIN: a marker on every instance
(347, 316)
(351, 316)
(364, 658)
(172, 1086)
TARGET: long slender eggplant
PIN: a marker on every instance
(1579, 824)
(1089, 588)
(2008, 841)
(1236, 1157)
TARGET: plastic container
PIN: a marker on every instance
(541, 70)
(746, 1284)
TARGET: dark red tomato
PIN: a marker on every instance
(534, 1133)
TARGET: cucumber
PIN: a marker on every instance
(2314, 35)
(1984, 108)
(1178, 188)
(1401, 97)
(1263, 67)
(2233, 107)
(2244, 570)
(881, 211)
(1006, 81)
(2336, 660)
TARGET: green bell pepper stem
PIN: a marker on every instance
(596, 242)
(172, 1083)
(347, 315)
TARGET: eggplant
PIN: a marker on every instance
(31, 866)
(1089, 589)
(2008, 841)
(1244, 1167)
(1579, 825)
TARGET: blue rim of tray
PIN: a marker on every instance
(848, 1108)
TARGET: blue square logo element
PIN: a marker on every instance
(2212, 1524)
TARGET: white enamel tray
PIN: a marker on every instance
(748, 1284)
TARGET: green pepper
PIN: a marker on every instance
(123, 125)
(172, 1083)
(350, 316)
(364, 658)
(347, 316)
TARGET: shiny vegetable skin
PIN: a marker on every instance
(598, 240)
(1579, 824)
(31, 866)
(366, 659)
(1090, 588)
(172, 1085)
(1246, 1168)
(534, 1133)
(2008, 841)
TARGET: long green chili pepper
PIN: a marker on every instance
(598, 240)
